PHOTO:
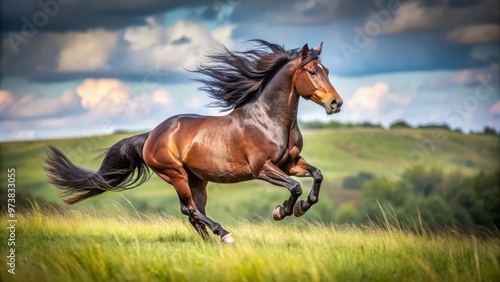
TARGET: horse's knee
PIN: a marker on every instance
(295, 189)
(317, 175)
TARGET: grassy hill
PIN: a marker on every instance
(338, 153)
(121, 246)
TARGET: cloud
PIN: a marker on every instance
(98, 106)
(145, 36)
(475, 33)
(495, 109)
(416, 15)
(463, 78)
(33, 106)
(81, 15)
(87, 51)
(6, 99)
(130, 53)
(104, 97)
(162, 97)
(111, 98)
(301, 12)
(376, 103)
(22, 135)
(185, 45)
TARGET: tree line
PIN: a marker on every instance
(428, 195)
(399, 124)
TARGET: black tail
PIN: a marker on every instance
(122, 168)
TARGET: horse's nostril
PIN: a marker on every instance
(334, 104)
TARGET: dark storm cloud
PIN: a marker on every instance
(325, 11)
(419, 43)
(74, 15)
(405, 52)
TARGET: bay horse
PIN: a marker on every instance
(258, 139)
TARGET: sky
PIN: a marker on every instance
(81, 68)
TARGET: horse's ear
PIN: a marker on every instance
(319, 48)
(304, 52)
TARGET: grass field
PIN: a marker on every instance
(338, 153)
(70, 245)
(106, 239)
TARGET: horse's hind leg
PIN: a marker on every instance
(199, 194)
(179, 179)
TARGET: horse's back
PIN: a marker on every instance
(209, 146)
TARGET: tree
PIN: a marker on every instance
(489, 130)
(399, 124)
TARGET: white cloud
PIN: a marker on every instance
(110, 98)
(86, 51)
(415, 16)
(412, 16)
(376, 103)
(146, 36)
(32, 105)
(6, 99)
(97, 106)
(475, 33)
(162, 96)
(103, 96)
(181, 45)
(465, 77)
(22, 135)
(495, 109)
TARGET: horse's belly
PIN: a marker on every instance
(221, 173)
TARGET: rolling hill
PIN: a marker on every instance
(337, 152)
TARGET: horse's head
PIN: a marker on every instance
(311, 81)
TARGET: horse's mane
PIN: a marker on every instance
(232, 77)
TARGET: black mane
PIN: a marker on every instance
(232, 77)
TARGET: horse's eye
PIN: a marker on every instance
(312, 72)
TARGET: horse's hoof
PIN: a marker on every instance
(227, 239)
(277, 213)
(297, 210)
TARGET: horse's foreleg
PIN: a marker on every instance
(303, 169)
(273, 174)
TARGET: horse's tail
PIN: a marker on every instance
(122, 168)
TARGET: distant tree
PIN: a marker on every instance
(423, 181)
(391, 195)
(489, 130)
(356, 181)
(321, 125)
(370, 125)
(399, 124)
(458, 130)
(443, 126)
(481, 198)
(313, 125)
(334, 124)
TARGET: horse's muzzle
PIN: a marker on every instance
(333, 107)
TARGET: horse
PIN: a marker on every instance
(258, 139)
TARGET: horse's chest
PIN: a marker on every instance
(289, 151)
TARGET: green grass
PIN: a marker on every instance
(115, 245)
(338, 153)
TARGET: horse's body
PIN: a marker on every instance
(259, 139)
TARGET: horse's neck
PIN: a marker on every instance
(278, 101)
